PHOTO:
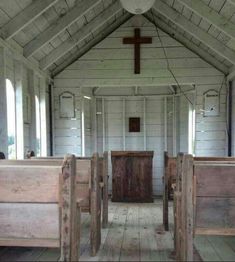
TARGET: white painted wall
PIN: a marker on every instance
(22, 76)
(109, 66)
(67, 132)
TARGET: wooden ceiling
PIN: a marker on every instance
(55, 33)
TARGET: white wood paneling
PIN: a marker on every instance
(67, 135)
(109, 66)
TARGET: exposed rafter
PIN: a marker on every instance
(187, 43)
(194, 30)
(61, 24)
(203, 10)
(232, 1)
(121, 20)
(24, 18)
(66, 46)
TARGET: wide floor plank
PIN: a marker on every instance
(134, 233)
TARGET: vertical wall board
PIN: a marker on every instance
(109, 66)
(67, 131)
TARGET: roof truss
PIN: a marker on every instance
(187, 43)
(182, 22)
(54, 30)
(66, 46)
(24, 18)
(203, 10)
(121, 20)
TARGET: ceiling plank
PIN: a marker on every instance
(187, 43)
(211, 16)
(232, 2)
(121, 20)
(79, 36)
(194, 30)
(24, 18)
(60, 25)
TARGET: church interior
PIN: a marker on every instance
(117, 130)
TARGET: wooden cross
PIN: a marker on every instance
(137, 40)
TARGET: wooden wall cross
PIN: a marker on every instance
(137, 40)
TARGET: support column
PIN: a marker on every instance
(94, 122)
(33, 138)
(145, 135)
(43, 116)
(233, 118)
(165, 124)
(124, 123)
(3, 105)
(18, 71)
(103, 124)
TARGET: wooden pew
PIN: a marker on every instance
(103, 174)
(38, 206)
(204, 202)
(169, 180)
(92, 177)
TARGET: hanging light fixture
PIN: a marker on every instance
(137, 6)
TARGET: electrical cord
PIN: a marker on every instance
(168, 64)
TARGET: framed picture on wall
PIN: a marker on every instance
(134, 124)
(67, 105)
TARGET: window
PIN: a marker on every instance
(38, 127)
(11, 120)
(191, 130)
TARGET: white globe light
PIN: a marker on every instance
(137, 6)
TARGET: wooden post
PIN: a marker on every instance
(177, 223)
(32, 83)
(69, 219)
(187, 209)
(95, 207)
(165, 196)
(3, 104)
(18, 68)
(124, 123)
(105, 191)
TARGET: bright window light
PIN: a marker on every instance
(38, 127)
(11, 120)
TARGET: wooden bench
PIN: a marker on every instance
(204, 202)
(169, 180)
(38, 206)
(91, 178)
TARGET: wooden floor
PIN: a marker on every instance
(134, 234)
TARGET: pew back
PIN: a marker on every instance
(37, 206)
(204, 201)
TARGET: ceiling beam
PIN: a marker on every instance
(80, 35)
(211, 16)
(232, 2)
(60, 25)
(25, 17)
(187, 43)
(105, 33)
(195, 31)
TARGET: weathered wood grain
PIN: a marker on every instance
(29, 184)
(105, 210)
(215, 212)
(218, 181)
(132, 176)
(25, 220)
(95, 206)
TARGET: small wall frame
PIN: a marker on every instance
(211, 103)
(134, 124)
(67, 105)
